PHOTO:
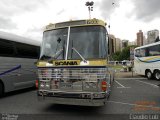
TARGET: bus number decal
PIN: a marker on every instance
(92, 22)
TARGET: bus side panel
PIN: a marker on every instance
(17, 73)
(146, 63)
(28, 74)
(138, 66)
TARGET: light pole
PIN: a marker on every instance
(90, 7)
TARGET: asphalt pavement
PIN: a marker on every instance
(128, 97)
(128, 75)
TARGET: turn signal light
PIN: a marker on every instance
(36, 84)
(104, 85)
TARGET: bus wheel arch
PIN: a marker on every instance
(156, 74)
(1, 88)
(148, 73)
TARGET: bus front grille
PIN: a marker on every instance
(69, 79)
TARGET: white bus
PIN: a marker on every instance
(17, 57)
(147, 60)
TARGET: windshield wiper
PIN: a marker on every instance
(58, 53)
(84, 60)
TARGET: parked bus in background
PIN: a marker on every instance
(73, 65)
(17, 57)
(147, 60)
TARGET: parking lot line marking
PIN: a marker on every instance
(148, 83)
(131, 104)
(131, 78)
(119, 84)
(123, 87)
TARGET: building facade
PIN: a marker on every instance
(144, 40)
(118, 44)
(111, 44)
(152, 36)
(124, 44)
(132, 43)
(140, 38)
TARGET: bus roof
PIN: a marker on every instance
(148, 45)
(16, 38)
(86, 22)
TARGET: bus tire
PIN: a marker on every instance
(157, 74)
(1, 89)
(149, 74)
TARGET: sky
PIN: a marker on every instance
(28, 18)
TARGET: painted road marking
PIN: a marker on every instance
(122, 86)
(119, 84)
(148, 83)
(131, 78)
(131, 104)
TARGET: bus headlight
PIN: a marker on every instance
(47, 86)
(42, 84)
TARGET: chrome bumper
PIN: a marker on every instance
(73, 101)
(76, 98)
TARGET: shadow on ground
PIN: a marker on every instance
(18, 92)
(71, 109)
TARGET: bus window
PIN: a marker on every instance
(154, 50)
(137, 53)
(26, 51)
(6, 48)
(142, 52)
(146, 51)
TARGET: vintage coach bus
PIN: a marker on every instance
(73, 68)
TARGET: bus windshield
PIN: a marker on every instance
(87, 41)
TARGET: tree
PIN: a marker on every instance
(124, 55)
(116, 56)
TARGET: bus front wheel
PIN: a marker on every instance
(157, 75)
(148, 74)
